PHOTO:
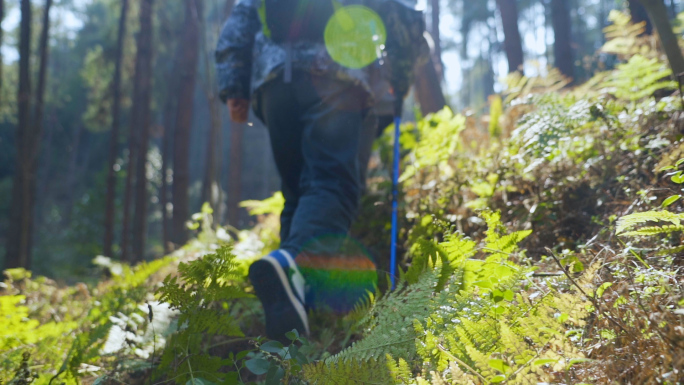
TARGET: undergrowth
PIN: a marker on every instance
(542, 244)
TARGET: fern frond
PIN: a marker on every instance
(630, 221)
(400, 371)
(350, 372)
(389, 326)
(654, 230)
(639, 78)
(670, 251)
(201, 284)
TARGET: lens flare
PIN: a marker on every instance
(339, 272)
(355, 36)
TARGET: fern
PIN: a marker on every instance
(200, 293)
(127, 290)
(350, 372)
(272, 205)
(639, 78)
(439, 138)
(623, 36)
(472, 329)
(519, 86)
(629, 222)
(388, 327)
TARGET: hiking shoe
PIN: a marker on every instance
(280, 288)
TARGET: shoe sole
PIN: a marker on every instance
(282, 309)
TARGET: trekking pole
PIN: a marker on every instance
(395, 196)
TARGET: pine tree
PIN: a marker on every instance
(181, 150)
(21, 209)
(114, 137)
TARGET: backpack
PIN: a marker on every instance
(286, 21)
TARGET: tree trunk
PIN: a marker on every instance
(181, 148)
(18, 237)
(639, 15)
(39, 112)
(167, 149)
(658, 14)
(114, 137)
(512, 41)
(2, 17)
(562, 30)
(70, 180)
(128, 189)
(164, 190)
(210, 185)
(42, 78)
(428, 89)
(436, 38)
(142, 97)
(211, 182)
(235, 174)
(218, 210)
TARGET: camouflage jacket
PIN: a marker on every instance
(246, 59)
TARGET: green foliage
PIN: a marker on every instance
(623, 37)
(97, 74)
(629, 222)
(69, 340)
(200, 293)
(495, 112)
(437, 137)
(280, 363)
(350, 372)
(546, 132)
(272, 205)
(478, 318)
(639, 78)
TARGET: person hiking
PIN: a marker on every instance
(304, 67)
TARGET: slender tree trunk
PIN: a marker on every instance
(142, 97)
(211, 182)
(512, 41)
(562, 30)
(167, 147)
(128, 189)
(235, 174)
(181, 151)
(436, 38)
(658, 14)
(42, 75)
(2, 17)
(70, 181)
(164, 190)
(218, 211)
(133, 144)
(114, 137)
(18, 237)
(428, 89)
(639, 15)
(39, 112)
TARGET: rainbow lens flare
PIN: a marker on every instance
(339, 272)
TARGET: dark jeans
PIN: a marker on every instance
(321, 135)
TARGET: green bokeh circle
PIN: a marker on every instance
(354, 36)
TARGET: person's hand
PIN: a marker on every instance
(239, 110)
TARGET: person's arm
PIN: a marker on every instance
(405, 45)
(234, 58)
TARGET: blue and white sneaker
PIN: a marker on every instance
(280, 288)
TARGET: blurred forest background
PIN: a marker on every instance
(112, 134)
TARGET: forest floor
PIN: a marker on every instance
(542, 244)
